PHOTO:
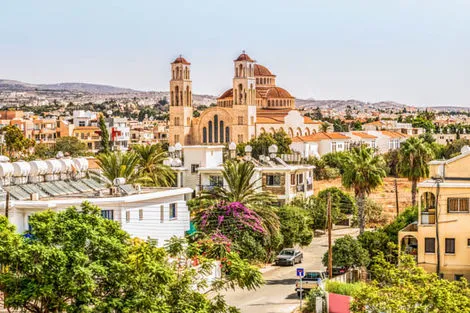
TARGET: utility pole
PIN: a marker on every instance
(438, 263)
(7, 204)
(330, 251)
(396, 197)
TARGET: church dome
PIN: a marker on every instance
(261, 70)
(227, 94)
(278, 92)
(181, 60)
(244, 57)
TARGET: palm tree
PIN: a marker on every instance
(241, 187)
(151, 167)
(363, 172)
(414, 156)
(324, 127)
(119, 164)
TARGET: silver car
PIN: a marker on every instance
(289, 256)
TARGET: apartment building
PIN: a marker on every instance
(444, 202)
(203, 166)
(119, 133)
(318, 144)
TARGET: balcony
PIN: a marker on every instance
(428, 218)
(301, 188)
(208, 188)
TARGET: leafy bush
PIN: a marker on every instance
(348, 252)
(405, 218)
(295, 226)
(345, 289)
(373, 212)
(311, 303)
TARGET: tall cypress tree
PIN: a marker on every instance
(105, 147)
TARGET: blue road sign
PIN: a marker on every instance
(300, 272)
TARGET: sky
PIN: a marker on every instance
(409, 51)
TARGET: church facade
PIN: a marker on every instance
(254, 105)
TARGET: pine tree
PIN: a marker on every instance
(105, 147)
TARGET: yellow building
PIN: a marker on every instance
(444, 201)
(254, 105)
(89, 135)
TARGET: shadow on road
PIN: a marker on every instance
(292, 296)
(288, 281)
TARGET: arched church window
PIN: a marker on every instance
(227, 134)
(177, 95)
(240, 70)
(240, 94)
(188, 96)
(204, 135)
(221, 131)
(210, 131)
(216, 128)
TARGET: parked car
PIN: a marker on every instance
(311, 279)
(338, 270)
(289, 256)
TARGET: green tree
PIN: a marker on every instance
(347, 252)
(409, 289)
(151, 165)
(241, 186)
(317, 115)
(414, 157)
(77, 261)
(295, 226)
(15, 141)
(105, 144)
(363, 172)
(43, 151)
(408, 216)
(324, 127)
(120, 164)
(453, 149)
(70, 145)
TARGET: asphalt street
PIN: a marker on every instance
(278, 294)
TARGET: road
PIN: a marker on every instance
(278, 294)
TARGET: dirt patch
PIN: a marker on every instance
(383, 195)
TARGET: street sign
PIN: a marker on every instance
(300, 272)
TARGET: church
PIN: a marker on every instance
(254, 105)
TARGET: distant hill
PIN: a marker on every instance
(14, 85)
(341, 105)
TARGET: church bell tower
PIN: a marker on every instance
(181, 99)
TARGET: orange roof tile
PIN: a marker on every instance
(319, 136)
(393, 134)
(308, 120)
(270, 120)
(363, 135)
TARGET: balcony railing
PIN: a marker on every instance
(300, 188)
(208, 187)
(428, 218)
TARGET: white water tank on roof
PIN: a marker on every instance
(6, 169)
(4, 158)
(81, 164)
(67, 164)
(38, 168)
(53, 166)
(21, 168)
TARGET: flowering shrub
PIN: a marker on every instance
(229, 219)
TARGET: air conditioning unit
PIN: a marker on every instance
(138, 187)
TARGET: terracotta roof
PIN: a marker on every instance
(375, 123)
(227, 94)
(319, 136)
(363, 135)
(244, 57)
(181, 60)
(308, 120)
(278, 92)
(393, 134)
(261, 70)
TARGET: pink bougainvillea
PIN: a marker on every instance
(229, 218)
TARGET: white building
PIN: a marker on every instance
(154, 214)
(203, 166)
(319, 144)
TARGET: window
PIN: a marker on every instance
(194, 168)
(333, 147)
(240, 120)
(141, 214)
(273, 180)
(450, 245)
(162, 213)
(458, 277)
(128, 216)
(216, 180)
(177, 121)
(292, 179)
(177, 138)
(172, 211)
(429, 245)
(468, 242)
(107, 214)
(240, 138)
(457, 205)
(300, 179)
(81, 123)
